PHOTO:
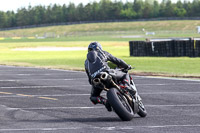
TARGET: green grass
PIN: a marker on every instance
(74, 60)
(110, 35)
(107, 31)
(72, 38)
(173, 66)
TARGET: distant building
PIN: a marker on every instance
(198, 29)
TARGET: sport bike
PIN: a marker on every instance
(124, 103)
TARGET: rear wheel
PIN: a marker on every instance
(120, 104)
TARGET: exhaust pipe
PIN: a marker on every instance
(96, 81)
(104, 76)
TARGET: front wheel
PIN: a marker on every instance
(120, 104)
(142, 111)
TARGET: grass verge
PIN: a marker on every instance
(74, 60)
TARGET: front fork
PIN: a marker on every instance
(136, 99)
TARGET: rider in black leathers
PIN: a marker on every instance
(96, 62)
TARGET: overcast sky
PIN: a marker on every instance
(10, 5)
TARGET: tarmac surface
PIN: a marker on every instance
(45, 100)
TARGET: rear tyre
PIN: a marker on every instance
(120, 105)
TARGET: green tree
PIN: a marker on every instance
(3, 19)
(11, 20)
(104, 6)
(57, 13)
(169, 9)
(188, 7)
(116, 9)
(95, 11)
(22, 17)
(88, 12)
(128, 13)
(195, 8)
(80, 12)
(147, 11)
(138, 7)
(71, 12)
(39, 15)
(156, 9)
(103, 10)
(65, 13)
(179, 12)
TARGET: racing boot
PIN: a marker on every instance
(104, 102)
(108, 106)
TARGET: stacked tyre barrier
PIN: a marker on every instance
(189, 47)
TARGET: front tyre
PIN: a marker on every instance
(142, 111)
(120, 104)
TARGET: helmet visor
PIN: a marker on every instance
(90, 49)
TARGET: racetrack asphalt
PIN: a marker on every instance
(45, 100)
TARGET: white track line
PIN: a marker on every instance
(176, 105)
(22, 74)
(171, 93)
(55, 95)
(48, 108)
(87, 94)
(99, 128)
(39, 74)
(100, 107)
(42, 129)
(168, 84)
(26, 87)
(159, 126)
(168, 78)
(87, 84)
(35, 68)
(38, 79)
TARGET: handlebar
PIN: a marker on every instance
(127, 69)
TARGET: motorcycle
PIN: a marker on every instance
(124, 103)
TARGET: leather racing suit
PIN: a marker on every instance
(96, 62)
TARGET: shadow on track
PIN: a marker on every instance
(82, 120)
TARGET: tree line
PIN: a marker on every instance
(98, 11)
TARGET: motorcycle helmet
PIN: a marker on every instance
(94, 46)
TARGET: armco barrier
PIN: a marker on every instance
(189, 47)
